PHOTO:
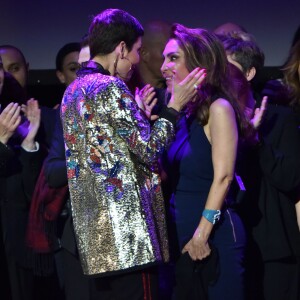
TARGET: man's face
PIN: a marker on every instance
(14, 63)
(156, 58)
(151, 56)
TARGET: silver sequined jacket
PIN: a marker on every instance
(112, 158)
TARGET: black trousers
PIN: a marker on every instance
(139, 285)
(76, 285)
(5, 284)
(282, 279)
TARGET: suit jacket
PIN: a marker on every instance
(271, 207)
(112, 158)
(56, 176)
(18, 173)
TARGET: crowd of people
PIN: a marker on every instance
(163, 173)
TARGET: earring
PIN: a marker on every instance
(115, 66)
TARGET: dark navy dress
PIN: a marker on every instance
(189, 165)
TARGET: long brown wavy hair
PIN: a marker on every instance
(203, 49)
(291, 75)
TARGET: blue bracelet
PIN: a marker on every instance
(212, 215)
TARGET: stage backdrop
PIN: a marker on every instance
(40, 28)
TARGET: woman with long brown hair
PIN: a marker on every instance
(203, 157)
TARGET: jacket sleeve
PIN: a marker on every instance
(55, 163)
(31, 167)
(280, 163)
(6, 153)
(146, 142)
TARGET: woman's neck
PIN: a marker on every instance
(107, 62)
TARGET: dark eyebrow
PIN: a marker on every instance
(170, 54)
(75, 63)
(13, 65)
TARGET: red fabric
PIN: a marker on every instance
(46, 206)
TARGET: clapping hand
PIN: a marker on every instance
(32, 124)
(256, 119)
(9, 121)
(146, 101)
(259, 114)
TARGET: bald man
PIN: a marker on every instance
(155, 38)
(229, 27)
(14, 63)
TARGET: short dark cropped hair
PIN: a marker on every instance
(63, 52)
(244, 51)
(109, 28)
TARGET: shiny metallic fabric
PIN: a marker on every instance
(112, 159)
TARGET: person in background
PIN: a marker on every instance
(16, 65)
(291, 79)
(229, 27)
(112, 156)
(286, 91)
(147, 73)
(271, 183)
(20, 161)
(67, 63)
(244, 53)
(51, 195)
(3, 263)
(17, 91)
(1, 76)
(74, 283)
(14, 62)
(155, 38)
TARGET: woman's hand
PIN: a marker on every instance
(9, 120)
(198, 247)
(33, 115)
(146, 101)
(187, 89)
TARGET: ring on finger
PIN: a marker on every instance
(195, 86)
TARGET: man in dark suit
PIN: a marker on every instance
(19, 171)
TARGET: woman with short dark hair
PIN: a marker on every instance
(112, 154)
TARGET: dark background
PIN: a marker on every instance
(40, 27)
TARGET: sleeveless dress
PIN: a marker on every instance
(189, 164)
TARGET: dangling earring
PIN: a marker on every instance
(115, 66)
(131, 65)
(122, 57)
